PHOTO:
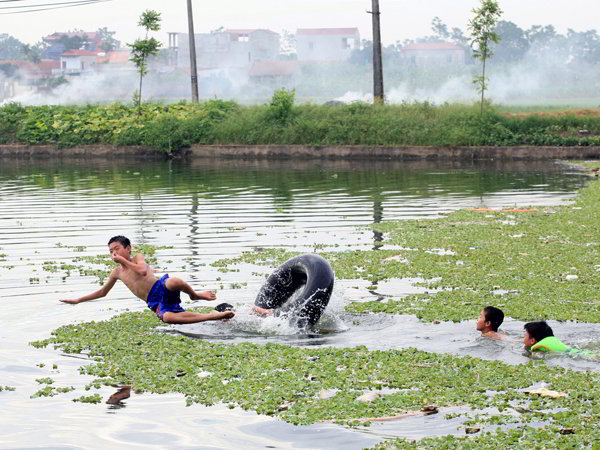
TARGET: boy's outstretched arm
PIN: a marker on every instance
(94, 295)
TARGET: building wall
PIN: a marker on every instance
(427, 57)
(77, 63)
(227, 50)
(326, 47)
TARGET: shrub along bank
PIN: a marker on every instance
(169, 128)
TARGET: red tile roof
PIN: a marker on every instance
(432, 46)
(313, 31)
(44, 67)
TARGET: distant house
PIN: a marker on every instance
(24, 76)
(55, 42)
(229, 49)
(326, 44)
(114, 60)
(76, 62)
(429, 53)
(276, 74)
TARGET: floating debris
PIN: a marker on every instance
(369, 397)
(544, 392)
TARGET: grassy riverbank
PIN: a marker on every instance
(516, 260)
(169, 128)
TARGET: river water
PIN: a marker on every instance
(203, 210)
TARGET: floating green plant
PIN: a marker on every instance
(285, 381)
(96, 398)
(47, 391)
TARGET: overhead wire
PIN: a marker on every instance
(46, 4)
(50, 6)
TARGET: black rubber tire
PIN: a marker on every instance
(309, 272)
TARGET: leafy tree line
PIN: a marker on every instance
(13, 48)
(514, 44)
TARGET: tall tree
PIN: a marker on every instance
(482, 28)
(11, 48)
(33, 53)
(287, 45)
(109, 43)
(440, 29)
(513, 43)
(142, 49)
(76, 42)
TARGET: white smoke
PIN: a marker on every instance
(545, 76)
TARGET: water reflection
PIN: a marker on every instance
(202, 210)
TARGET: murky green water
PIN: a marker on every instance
(204, 210)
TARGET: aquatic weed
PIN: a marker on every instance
(283, 381)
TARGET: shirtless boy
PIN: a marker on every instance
(488, 322)
(161, 295)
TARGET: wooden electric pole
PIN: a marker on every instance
(193, 68)
(377, 58)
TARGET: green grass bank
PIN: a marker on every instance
(168, 128)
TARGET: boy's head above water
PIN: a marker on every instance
(535, 332)
(489, 319)
(120, 245)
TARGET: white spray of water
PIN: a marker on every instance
(281, 325)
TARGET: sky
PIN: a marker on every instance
(400, 19)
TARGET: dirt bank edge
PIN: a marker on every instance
(309, 152)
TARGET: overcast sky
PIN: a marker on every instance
(400, 19)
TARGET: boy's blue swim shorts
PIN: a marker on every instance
(162, 300)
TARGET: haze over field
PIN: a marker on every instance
(400, 19)
(548, 56)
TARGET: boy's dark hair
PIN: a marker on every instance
(493, 315)
(538, 330)
(121, 240)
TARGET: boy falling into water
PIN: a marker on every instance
(489, 321)
(161, 295)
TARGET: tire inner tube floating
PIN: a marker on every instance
(310, 273)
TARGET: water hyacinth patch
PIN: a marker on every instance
(128, 350)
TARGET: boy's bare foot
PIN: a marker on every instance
(262, 311)
(206, 295)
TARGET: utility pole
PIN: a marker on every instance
(377, 59)
(193, 67)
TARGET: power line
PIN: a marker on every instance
(70, 5)
(47, 4)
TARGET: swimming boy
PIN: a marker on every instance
(539, 337)
(161, 295)
(489, 321)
